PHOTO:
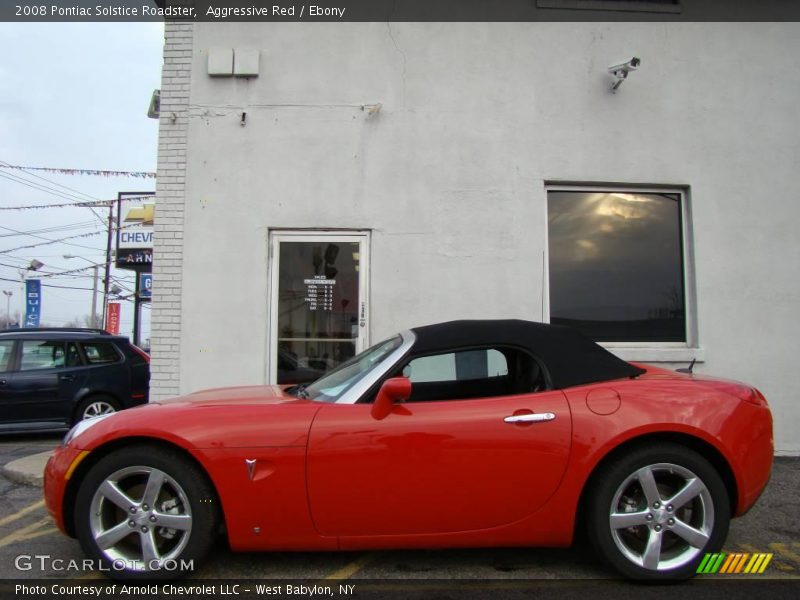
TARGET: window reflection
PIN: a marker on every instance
(616, 266)
(317, 308)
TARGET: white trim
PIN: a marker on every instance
(657, 353)
(275, 237)
(657, 350)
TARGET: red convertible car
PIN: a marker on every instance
(462, 434)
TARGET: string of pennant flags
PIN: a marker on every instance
(93, 203)
(94, 172)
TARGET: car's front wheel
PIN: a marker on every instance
(654, 512)
(146, 513)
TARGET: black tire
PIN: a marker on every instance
(146, 550)
(618, 497)
(94, 406)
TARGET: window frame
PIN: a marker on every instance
(645, 351)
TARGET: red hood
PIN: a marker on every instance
(243, 395)
(246, 417)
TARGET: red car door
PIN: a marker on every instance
(436, 467)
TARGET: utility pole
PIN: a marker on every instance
(96, 270)
(94, 297)
(107, 278)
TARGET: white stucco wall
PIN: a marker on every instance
(449, 176)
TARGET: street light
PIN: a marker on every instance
(8, 295)
(93, 320)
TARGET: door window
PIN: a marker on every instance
(478, 373)
(39, 354)
(457, 366)
(6, 352)
(318, 313)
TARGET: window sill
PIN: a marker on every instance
(656, 354)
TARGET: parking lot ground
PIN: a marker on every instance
(772, 526)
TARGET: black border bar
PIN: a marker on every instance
(398, 10)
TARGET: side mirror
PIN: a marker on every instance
(396, 389)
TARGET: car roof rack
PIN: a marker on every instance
(46, 329)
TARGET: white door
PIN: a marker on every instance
(319, 307)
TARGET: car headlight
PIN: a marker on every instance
(80, 427)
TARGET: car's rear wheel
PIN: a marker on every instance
(146, 513)
(95, 406)
(654, 512)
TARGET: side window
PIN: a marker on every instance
(38, 354)
(6, 353)
(481, 373)
(457, 366)
(100, 353)
(73, 356)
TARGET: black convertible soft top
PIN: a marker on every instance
(569, 357)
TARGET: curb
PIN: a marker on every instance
(28, 470)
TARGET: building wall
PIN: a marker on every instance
(449, 176)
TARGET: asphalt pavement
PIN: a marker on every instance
(772, 526)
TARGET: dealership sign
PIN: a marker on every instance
(145, 286)
(112, 318)
(33, 302)
(135, 218)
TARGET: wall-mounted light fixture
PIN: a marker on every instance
(620, 71)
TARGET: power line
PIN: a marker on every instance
(40, 187)
(70, 237)
(85, 196)
(63, 287)
(44, 238)
(89, 196)
(51, 241)
(54, 229)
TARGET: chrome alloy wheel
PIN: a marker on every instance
(97, 409)
(661, 517)
(140, 517)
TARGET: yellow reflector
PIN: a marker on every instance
(78, 459)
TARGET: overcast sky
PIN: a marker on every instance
(72, 95)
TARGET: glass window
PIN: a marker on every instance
(6, 352)
(37, 354)
(616, 264)
(457, 366)
(336, 382)
(100, 352)
(658, 6)
(318, 307)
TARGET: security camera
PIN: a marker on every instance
(620, 70)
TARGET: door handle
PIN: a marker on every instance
(67, 378)
(530, 418)
(3, 381)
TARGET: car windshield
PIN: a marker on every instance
(331, 386)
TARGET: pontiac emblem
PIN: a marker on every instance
(251, 467)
